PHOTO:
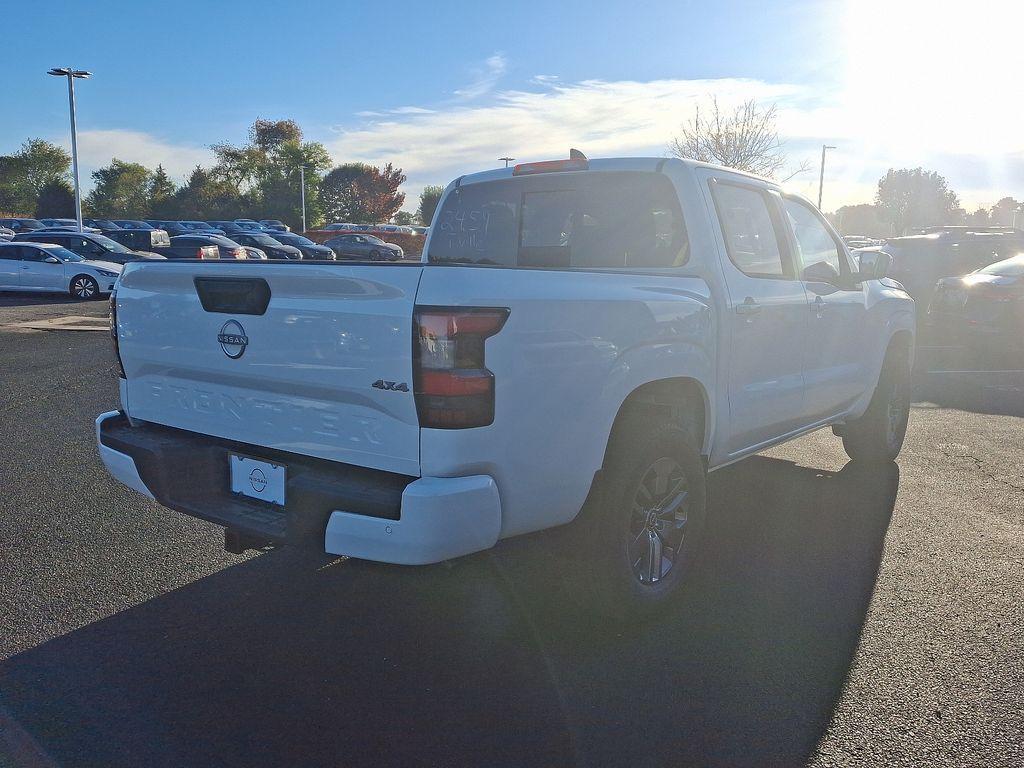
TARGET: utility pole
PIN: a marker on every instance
(302, 183)
(507, 160)
(71, 75)
(821, 176)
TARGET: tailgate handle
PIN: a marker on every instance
(233, 295)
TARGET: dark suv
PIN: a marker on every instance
(22, 225)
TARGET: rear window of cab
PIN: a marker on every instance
(585, 220)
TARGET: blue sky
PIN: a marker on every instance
(445, 88)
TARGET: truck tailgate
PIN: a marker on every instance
(324, 370)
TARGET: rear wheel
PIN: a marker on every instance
(649, 521)
(84, 287)
(878, 435)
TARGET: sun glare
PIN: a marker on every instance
(942, 76)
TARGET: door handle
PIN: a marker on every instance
(748, 307)
(818, 306)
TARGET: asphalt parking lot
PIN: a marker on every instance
(843, 617)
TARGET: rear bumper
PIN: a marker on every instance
(344, 510)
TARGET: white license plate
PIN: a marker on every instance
(258, 479)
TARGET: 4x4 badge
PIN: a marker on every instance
(391, 386)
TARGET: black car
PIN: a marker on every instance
(360, 246)
(132, 224)
(199, 246)
(228, 227)
(918, 261)
(267, 244)
(310, 250)
(22, 225)
(986, 305)
(88, 246)
(202, 227)
(103, 225)
(172, 228)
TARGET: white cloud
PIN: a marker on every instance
(484, 78)
(96, 148)
(598, 117)
(623, 118)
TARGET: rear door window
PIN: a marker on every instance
(563, 221)
(751, 239)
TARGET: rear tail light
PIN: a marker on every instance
(113, 334)
(454, 389)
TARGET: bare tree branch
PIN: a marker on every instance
(744, 139)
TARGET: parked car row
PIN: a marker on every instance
(106, 243)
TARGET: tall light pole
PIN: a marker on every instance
(507, 160)
(71, 74)
(302, 184)
(821, 176)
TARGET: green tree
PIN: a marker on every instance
(161, 194)
(979, 218)
(362, 194)
(404, 218)
(121, 191)
(429, 198)
(266, 171)
(1002, 213)
(862, 219)
(24, 174)
(205, 197)
(56, 200)
(913, 197)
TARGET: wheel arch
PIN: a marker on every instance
(681, 399)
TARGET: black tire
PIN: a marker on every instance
(374, 255)
(84, 287)
(626, 536)
(877, 436)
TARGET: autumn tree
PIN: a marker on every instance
(121, 191)
(429, 198)
(913, 197)
(56, 200)
(362, 194)
(744, 138)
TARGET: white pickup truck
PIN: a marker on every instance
(589, 335)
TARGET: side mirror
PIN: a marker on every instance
(874, 265)
(51, 260)
(822, 272)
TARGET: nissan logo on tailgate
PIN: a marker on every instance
(232, 339)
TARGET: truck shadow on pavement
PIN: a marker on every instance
(280, 661)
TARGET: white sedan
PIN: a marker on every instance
(43, 267)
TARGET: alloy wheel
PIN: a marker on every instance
(83, 288)
(658, 518)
